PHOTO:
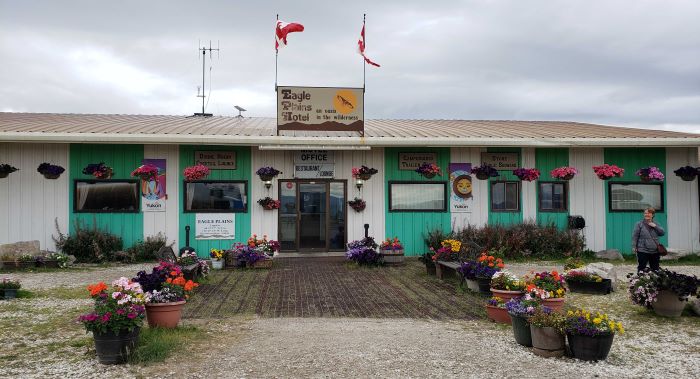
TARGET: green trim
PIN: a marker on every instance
(123, 159)
(411, 227)
(505, 218)
(547, 159)
(242, 172)
(619, 225)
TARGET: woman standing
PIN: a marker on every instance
(645, 240)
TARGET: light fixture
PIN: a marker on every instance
(359, 183)
(268, 184)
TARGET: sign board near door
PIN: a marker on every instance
(314, 171)
(215, 226)
(314, 156)
(216, 160)
(501, 161)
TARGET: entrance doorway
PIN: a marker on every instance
(312, 215)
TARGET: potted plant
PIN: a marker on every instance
(59, 260)
(563, 173)
(267, 173)
(506, 285)
(427, 260)
(98, 170)
(391, 250)
(664, 291)
(519, 309)
(487, 266)
(146, 172)
(687, 173)
(8, 260)
(6, 169)
(196, 172)
(468, 271)
(590, 334)
(363, 172)
(607, 171)
(267, 247)
(448, 251)
(586, 282)
(650, 174)
(433, 238)
(484, 171)
(26, 261)
(429, 170)
(496, 310)
(217, 259)
(167, 291)
(364, 252)
(116, 319)
(357, 204)
(527, 174)
(269, 203)
(9, 287)
(50, 171)
(547, 329)
(548, 287)
(192, 266)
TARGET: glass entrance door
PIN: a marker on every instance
(312, 215)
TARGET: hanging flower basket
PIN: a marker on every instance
(484, 171)
(145, 172)
(687, 173)
(607, 171)
(269, 203)
(357, 204)
(6, 169)
(429, 170)
(50, 171)
(363, 172)
(527, 174)
(563, 173)
(267, 173)
(650, 174)
(98, 170)
(196, 172)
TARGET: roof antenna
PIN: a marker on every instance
(204, 60)
(240, 109)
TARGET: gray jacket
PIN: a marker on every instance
(644, 235)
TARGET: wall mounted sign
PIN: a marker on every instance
(411, 161)
(215, 226)
(314, 156)
(501, 161)
(461, 195)
(153, 194)
(314, 171)
(216, 160)
(320, 108)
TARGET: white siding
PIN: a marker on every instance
(529, 189)
(30, 203)
(165, 222)
(479, 216)
(683, 211)
(587, 196)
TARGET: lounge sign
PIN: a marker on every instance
(320, 108)
(216, 160)
(500, 161)
(411, 161)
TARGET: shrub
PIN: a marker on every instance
(146, 250)
(90, 245)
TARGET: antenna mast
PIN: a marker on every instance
(204, 60)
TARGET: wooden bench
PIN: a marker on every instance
(167, 254)
(442, 268)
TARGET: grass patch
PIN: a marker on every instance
(157, 344)
(64, 293)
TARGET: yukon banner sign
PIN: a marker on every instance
(320, 108)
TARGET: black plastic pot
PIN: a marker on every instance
(588, 348)
(484, 286)
(595, 288)
(430, 268)
(521, 330)
(10, 293)
(114, 348)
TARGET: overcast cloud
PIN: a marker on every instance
(625, 63)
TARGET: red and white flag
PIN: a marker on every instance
(282, 29)
(361, 47)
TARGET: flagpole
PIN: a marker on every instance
(276, 50)
(364, 63)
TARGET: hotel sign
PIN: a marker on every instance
(411, 161)
(215, 226)
(320, 108)
(501, 161)
(216, 160)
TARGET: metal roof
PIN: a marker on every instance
(52, 127)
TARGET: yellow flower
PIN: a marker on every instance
(569, 313)
(597, 320)
(611, 325)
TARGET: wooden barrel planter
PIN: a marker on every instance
(589, 348)
(392, 256)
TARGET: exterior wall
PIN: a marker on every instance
(619, 225)
(32, 205)
(506, 218)
(242, 220)
(547, 160)
(587, 195)
(165, 222)
(682, 205)
(411, 227)
(479, 216)
(528, 189)
(123, 159)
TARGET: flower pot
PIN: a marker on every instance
(506, 295)
(392, 256)
(430, 268)
(217, 264)
(10, 293)
(482, 176)
(269, 207)
(521, 330)
(555, 303)
(51, 176)
(164, 315)
(472, 284)
(428, 175)
(4, 174)
(496, 314)
(593, 288)
(667, 304)
(365, 176)
(587, 348)
(51, 263)
(358, 208)
(547, 341)
(484, 286)
(685, 178)
(567, 177)
(265, 178)
(645, 179)
(26, 264)
(114, 348)
(262, 263)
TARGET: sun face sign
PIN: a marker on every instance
(344, 101)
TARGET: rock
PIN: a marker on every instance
(604, 270)
(71, 259)
(695, 305)
(18, 248)
(610, 254)
(675, 254)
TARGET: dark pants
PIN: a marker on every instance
(651, 259)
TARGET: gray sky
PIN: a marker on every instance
(627, 63)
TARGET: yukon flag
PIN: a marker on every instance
(361, 47)
(284, 28)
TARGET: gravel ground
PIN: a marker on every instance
(79, 276)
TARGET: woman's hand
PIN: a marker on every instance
(652, 224)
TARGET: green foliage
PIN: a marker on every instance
(157, 344)
(434, 238)
(143, 251)
(90, 245)
(548, 319)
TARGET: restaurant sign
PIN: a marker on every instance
(411, 161)
(216, 160)
(500, 161)
(320, 108)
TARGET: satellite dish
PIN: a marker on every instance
(240, 109)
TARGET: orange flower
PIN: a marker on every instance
(95, 289)
(169, 280)
(173, 273)
(500, 265)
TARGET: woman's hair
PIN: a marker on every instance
(650, 210)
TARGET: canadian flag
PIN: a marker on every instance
(361, 47)
(284, 28)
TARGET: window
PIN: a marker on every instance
(553, 196)
(505, 196)
(106, 196)
(634, 197)
(216, 196)
(417, 196)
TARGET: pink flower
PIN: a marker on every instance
(131, 315)
(121, 312)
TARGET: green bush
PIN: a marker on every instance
(90, 245)
(144, 250)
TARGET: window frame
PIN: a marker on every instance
(184, 196)
(423, 182)
(661, 197)
(93, 181)
(519, 186)
(553, 210)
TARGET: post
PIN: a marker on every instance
(366, 230)
(187, 235)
